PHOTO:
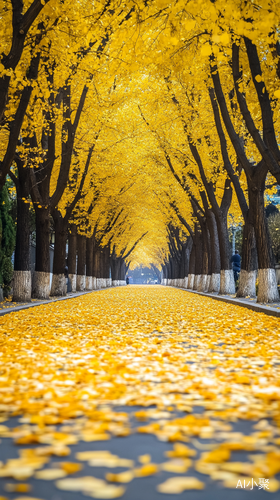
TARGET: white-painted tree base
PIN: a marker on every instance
(98, 283)
(88, 282)
(108, 282)
(81, 283)
(73, 279)
(180, 282)
(202, 286)
(122, 283)
(227, 284)
(94, 283)
(115, 283)
(59, 286)
(247, 284)
(185, 282)
(267, 289)
(197, 278)
(190, 281)
(41, 285)
(215, 281)
(22, 286)
(208, 282)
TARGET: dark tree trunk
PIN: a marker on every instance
(42, 241)
(72, 249)
(41, 279)
(122, 270)
(115, 267)
(187, 255)
(97, 263)
(198, 246)
(81, 263)
(225, 250)
(164, 272)
(89, 256)
(22, 250)
(106, 262)
(249, 259)
(205, 248)
(181, 264)
(81, 251)
(22, 272)
(214, 243)
(58, 280)
(61, 233)
(192, 260)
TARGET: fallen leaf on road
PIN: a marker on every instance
(180, 484)
(50, 474)
(71, 467)
(85, 483)
(122, 477)
(107, 491)
(177, 465)
(17, 487)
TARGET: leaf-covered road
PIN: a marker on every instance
(166, 389)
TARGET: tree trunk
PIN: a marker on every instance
(89, 262)
(59, 285)
(267, 288)
(192, 266)
(107, 266)
(249, 260)
(198, 258)
(97, 266)
(214, 285)
(122, 272)
(22, 272)
(186, 258)
(227, 285)
(72, 255)
(202, 286)
(41, 279)
(81, 264)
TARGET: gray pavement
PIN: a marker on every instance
(131, 447)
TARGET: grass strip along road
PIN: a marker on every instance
(139, 392)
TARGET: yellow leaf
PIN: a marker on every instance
(180, 484)
(178, 465)
(144, 459)
(50, 474)
(225, 38)
(107, 491)
(216, 456)
(122, 477)
(146, 470)
(71, 467)
(206, 50)
(19, 487)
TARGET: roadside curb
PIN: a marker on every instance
(254, 307)
(49, 301)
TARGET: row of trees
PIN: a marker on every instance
(144, 125)
(59, 99)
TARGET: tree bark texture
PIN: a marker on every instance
(81, 264)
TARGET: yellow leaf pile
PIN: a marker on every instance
(66, 367)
